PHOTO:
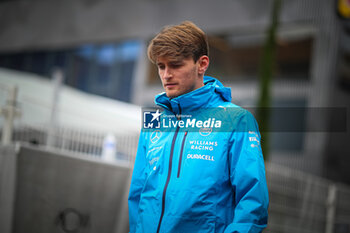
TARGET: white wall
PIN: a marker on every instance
(76, 109)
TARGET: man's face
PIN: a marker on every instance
(180, 76)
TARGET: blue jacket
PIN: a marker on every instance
(200, 180)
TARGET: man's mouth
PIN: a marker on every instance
(170, 85)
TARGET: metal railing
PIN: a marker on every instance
(88, 143)
(304, 203)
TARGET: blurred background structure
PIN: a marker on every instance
(74, 75)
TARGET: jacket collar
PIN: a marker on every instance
(204, 97)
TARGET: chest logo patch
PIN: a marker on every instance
(155, 136)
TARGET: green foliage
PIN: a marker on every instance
(267, 63)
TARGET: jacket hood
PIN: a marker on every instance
(209, 95)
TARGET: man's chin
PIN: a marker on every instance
(171, 94)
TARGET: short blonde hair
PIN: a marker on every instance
(179, 42)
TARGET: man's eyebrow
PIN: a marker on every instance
(171, 62)
(176, 62)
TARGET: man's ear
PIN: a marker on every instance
(203, 63)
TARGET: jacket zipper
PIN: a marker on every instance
(168, 178)
(181, 153)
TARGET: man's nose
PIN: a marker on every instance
(167, 73)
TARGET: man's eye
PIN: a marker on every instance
(176, 65)
(161, 67)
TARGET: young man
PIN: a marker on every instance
(199, 176)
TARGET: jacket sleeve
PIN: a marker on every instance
(247, 176)
(137, 182)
